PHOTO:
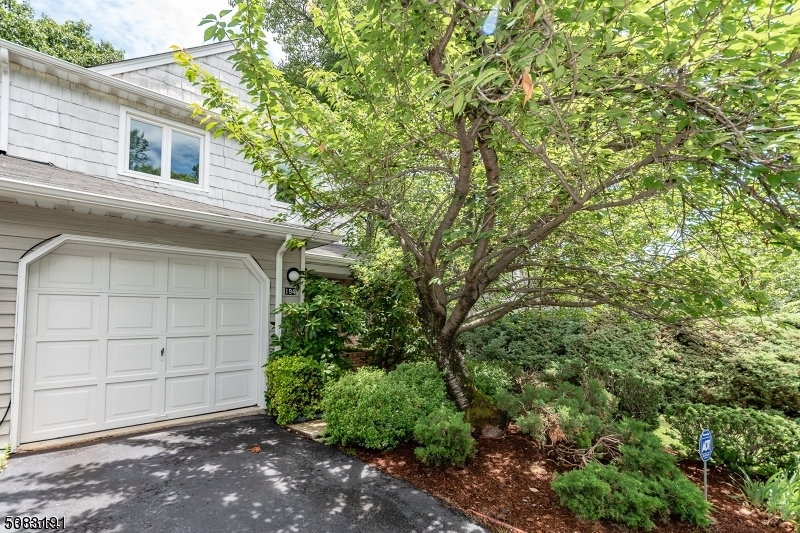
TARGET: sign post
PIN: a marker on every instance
(705, 447)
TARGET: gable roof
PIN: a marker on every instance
(158, 60)
(44, 182)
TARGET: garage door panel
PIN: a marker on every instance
(186, 393)
(235, 315)
(186, 275)
(132, 357)
(234, 350)
(131, 400)
(70, 271)
(233, 387)
(65, 361)
(116, 337)
(68, 315)
(234, 278)
(188, 353)
(129, 315)
(64, 409)
(140, 272)
(188, 314)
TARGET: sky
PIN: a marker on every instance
(140, 27)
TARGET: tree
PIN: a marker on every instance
(70, 41)
(574, 154)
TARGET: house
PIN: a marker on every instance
(139, 261)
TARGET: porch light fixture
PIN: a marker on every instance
(293, 275)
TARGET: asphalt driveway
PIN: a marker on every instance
(201, 479)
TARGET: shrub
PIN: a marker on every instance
(426, 381)
(445, 439)
(490, 378)
(294, 387)
(369, 409)
(601, 492)
(756, 442)
(642, 483)
(318, 326)
(575, 414)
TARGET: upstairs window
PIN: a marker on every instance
(163, 150)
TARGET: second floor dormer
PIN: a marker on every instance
(128, 122)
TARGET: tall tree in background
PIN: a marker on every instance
(564, 154)
(70, 41)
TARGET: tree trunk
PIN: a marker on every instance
(451, 362)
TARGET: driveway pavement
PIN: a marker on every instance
(201, 479)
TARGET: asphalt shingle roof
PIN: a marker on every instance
(47, 174)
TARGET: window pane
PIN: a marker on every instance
(185, 158)
(145, 148)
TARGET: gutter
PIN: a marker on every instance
(5, 97)
(49, 193)
(279, 282)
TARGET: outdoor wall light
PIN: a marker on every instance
(292, 275)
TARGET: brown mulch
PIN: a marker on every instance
(509, 480)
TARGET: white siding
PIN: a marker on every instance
(22, 227)
(77, 128)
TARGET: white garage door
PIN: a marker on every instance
(116, 337)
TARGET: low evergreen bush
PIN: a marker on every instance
(368, 408)
(444, 438)
(756, 442)
(643, 483)
(294, 387)
(490, 378)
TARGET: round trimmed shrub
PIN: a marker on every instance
(445, 439)
(370, 409)
(294, 387)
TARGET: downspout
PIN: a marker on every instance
(279, 281)
(303, 270)
(5, 97)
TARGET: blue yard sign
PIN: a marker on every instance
(706, 445)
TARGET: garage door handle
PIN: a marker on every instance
(162, 352)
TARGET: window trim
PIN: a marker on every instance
(167, 125)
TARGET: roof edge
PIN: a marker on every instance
(158, 60)
(59, 65)
(51, 193)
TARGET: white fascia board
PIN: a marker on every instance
(71, 197)
(158, 60)
(92, 78)
(311, 257)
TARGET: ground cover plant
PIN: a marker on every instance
(444, 438)
(779, 495)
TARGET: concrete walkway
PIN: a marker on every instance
(201, 479)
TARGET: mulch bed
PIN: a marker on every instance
(509, 480)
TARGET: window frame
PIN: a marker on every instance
(167, 127)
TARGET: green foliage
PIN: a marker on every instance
(369, 409)
(70, 41)
(756, 442)
(642, 484)
(751, 363)
(490, 378)
(444, 438)
(426, 381)
(319, 326)
(294, 387)
(778, 496)
(575, 414)
(391, 329)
